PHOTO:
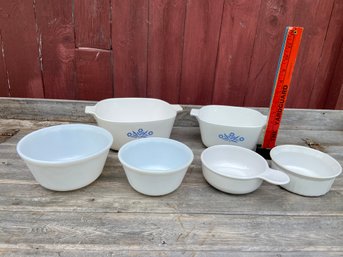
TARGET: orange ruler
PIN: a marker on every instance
(282, 82)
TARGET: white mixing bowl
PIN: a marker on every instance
(65, 157)
(155, 166)
(133, 118)
(229, 125)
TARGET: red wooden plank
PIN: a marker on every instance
(20, 48)
(92, 23)
(93, 74)
(335, 96)
(315, 23)
(4, 88)
(56, 31)
(166, 19)
(329, 56)
(202, 30)
(235, 50)
(129, 41)
(274, 16)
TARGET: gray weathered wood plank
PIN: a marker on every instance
(123, 231)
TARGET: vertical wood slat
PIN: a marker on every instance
(274, 16)
(328, 60)
(315, 24)
(235, 51)
(4, 89)
(20, 49)
(335, 96)
(129, 42)
(94, 74)
(56, 32)
(166, 21)
(202, 29)
(92, 23)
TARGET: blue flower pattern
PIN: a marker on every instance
(140, 133)
(231, 137)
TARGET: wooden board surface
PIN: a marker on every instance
(234, 56)
(109, 218)
(130, 42)
(94, 74)
(57, 46)
(20, 50)
(93, 23)
(166, 32)
(200, 51)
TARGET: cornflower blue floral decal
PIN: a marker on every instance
(140, 133)
(231, 137)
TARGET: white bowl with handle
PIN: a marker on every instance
(229, 125)
(311, 172)
(128, 119)
(237, 170)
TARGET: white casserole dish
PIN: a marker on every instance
(229, 125)
(133, 118)
(311, 172)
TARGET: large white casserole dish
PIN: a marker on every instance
(311, 172)
(229, 125)
(65, 157)
(133, 118)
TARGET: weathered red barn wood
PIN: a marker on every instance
(202, 29)
(166, 30)
(93, 23)
(4, 88)
(335, 97)
(274, 16)
(315, 25)
(56, 34)
(94, 80)
(236, 43)
(328, 60)
(20, 49)
(129, 42)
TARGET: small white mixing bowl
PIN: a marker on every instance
(155, 166)
(229, 125)
(128, 119)
(65, 157)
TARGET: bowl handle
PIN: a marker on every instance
(274, 177)
(90, 110)
(177, 107)
(195, 112)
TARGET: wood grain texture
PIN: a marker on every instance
(166, 31)
(335, 96)
(202, 30)
(274, 16)
(123, 231)
(109, 218)
(19, 49)
(4, 87)
(93, 23)
(57, 45)
(315, 28)
(330, 56)
(130, 42)
(94, 74)
(235, 49)
(67, 110)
